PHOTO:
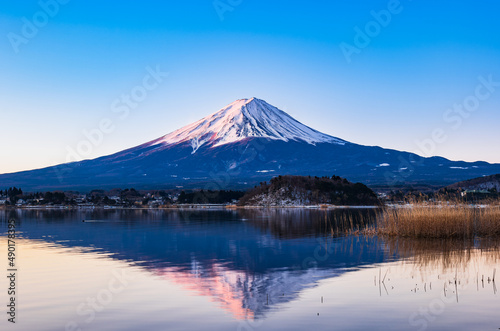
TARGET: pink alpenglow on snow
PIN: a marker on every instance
(245, 118)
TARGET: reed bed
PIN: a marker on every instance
(440, 221)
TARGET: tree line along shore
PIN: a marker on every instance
(450, 212)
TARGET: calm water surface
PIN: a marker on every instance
(278, 269)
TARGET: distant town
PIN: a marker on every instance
(116, 198)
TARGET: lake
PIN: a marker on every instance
(254, 269)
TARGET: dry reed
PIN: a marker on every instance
(440, 221)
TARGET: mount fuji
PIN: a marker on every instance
(246, 142)
(242, 119)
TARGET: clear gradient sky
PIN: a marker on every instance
(400, 85)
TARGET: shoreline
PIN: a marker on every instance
(234, 207)
(198, 206)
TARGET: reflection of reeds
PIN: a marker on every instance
(437, 221)
(297, 223)
(447, 254)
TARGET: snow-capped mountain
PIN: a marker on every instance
(242, 119)
(242, 144)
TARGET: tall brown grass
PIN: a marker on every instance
(440, 221)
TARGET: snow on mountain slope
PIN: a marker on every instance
(245, 118)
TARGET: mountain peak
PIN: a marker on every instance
(247, 100)
(245, 118)
(241, 105)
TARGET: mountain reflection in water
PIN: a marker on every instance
(254, 261)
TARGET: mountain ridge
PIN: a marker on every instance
(480, 183)
(246, 142)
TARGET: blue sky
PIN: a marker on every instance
(63, 78)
